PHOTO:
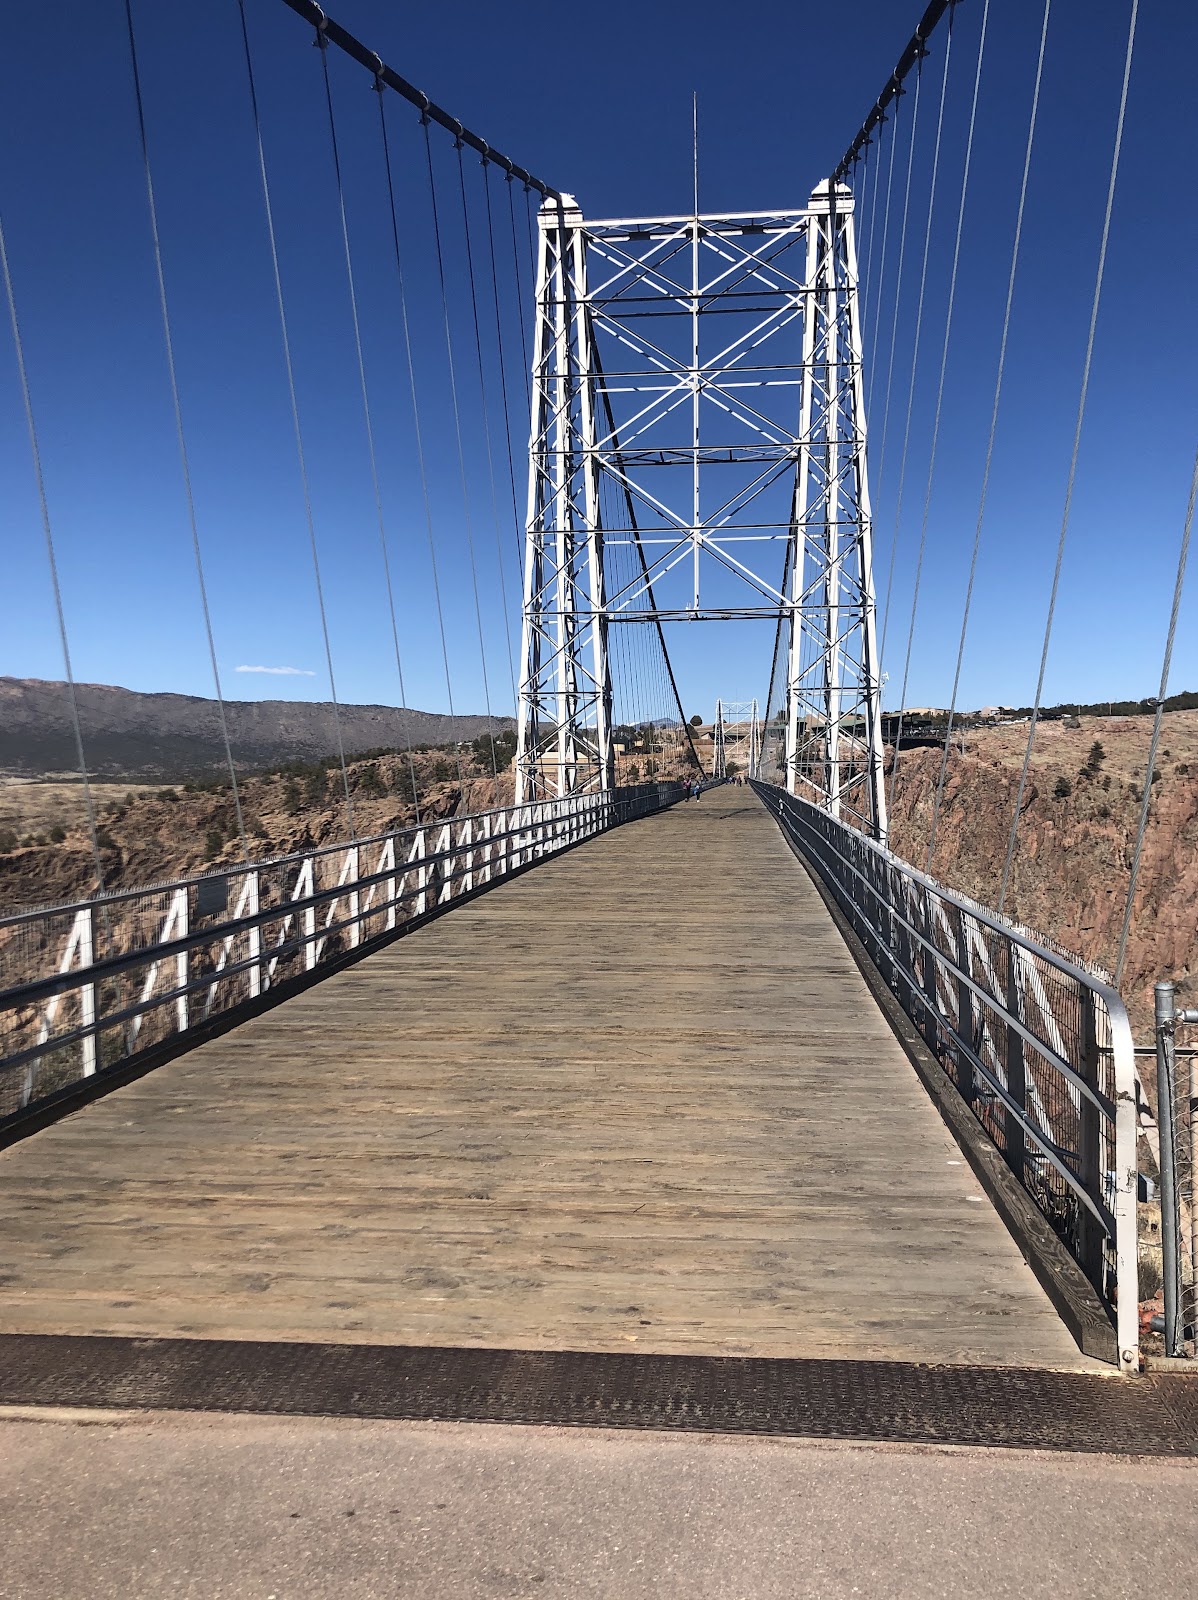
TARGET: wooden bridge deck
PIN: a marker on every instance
(639, 1099)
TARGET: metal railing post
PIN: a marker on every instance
(255, 935)
(1191, 1016)
(925, 968)
(388, 859)
(87, 995)
(1170, 1215)
(308, 922)
(182, 962)
(1016, 1068)
(418, 853)
(906, 949)
(1091, 1238)
(965, 1019)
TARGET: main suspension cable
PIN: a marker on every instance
(1150, 769)
(1077, 439)
(184, 461)
(429, 111)
(295, 416)
(948, 326)
(998, 383)
(48, 534)
(912, 56)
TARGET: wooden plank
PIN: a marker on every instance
(641, 1095)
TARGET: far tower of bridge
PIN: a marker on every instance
(736, 739)
(699, 454)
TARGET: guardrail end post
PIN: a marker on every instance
(1166, 1068)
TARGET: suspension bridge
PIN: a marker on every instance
(512, 1104)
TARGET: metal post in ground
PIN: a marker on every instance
(1191, 1016)
(1170, 1219)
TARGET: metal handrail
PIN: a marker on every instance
(56, 983)
(115, 897)
(1060, 1059)
(1017, 936)
(73, 1007)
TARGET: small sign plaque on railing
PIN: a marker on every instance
(212, 896)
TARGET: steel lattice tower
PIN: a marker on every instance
(706, 372)
(736, 737)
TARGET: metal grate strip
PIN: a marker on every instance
(903, 1402)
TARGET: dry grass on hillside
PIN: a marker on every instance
(36, 805)
(150, 835)
(1076, 837)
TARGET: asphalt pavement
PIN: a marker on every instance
(220, 1507)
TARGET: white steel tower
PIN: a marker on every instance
(737, 738)
(697, 394)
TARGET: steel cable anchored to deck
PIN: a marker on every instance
(293, 398)
(994, 411)
(1095, 302)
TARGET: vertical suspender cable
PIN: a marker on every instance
(919, 305)
(48, 534)
(520, 285)
(634, 534)
(503, 392)
(948, 327)
(457, 424)
(402, 723)
(864, 236)
(486, 416)
(998, 382)
(867, 298)
(184, 461)
(530, 229)
(418, 431)
(1179, 583)
(1077, 439)
(769, 693)
(295, 418)
(898, 292)
(873, 353)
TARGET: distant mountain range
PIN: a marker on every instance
(177, 736)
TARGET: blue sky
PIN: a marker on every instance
(601, 108)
